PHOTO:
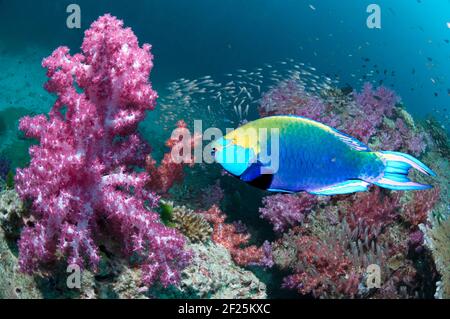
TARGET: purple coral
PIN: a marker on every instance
(81, 178)
(290, 97)
(286, 210)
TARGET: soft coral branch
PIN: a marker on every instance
(236, 240)
(171, 168)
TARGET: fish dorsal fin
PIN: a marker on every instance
(347, 139)
(351, 141)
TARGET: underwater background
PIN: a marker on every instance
(228, 62)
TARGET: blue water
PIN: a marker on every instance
(195, 38)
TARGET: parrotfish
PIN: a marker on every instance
(295, 154)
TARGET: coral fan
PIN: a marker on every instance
(284, 211)
(81, 178)
(234, 240)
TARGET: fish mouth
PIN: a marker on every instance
(235, 159)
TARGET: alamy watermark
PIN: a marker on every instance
(374, 19)
(373, 276)
(73, 280)
(73, 21)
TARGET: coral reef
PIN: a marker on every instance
(98, 198)
(438, 239)
(81, 179)
(367, 213)
(328, 245)
(327, 263)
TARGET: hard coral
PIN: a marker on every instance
(82, 172)
(193, 225)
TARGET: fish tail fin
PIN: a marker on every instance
(397, 166)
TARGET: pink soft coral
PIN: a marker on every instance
(81, 174)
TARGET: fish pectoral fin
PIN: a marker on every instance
(347, 187)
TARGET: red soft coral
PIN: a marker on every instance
(321, 267)
(368, 213)
(416, 211)
(170, 170)
(235, 240)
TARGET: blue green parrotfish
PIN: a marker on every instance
(312, 157)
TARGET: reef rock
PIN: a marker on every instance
(12, 209)
(212, 274)
(13, 283)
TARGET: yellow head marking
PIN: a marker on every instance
(246, 137)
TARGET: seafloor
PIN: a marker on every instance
(243, 242)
